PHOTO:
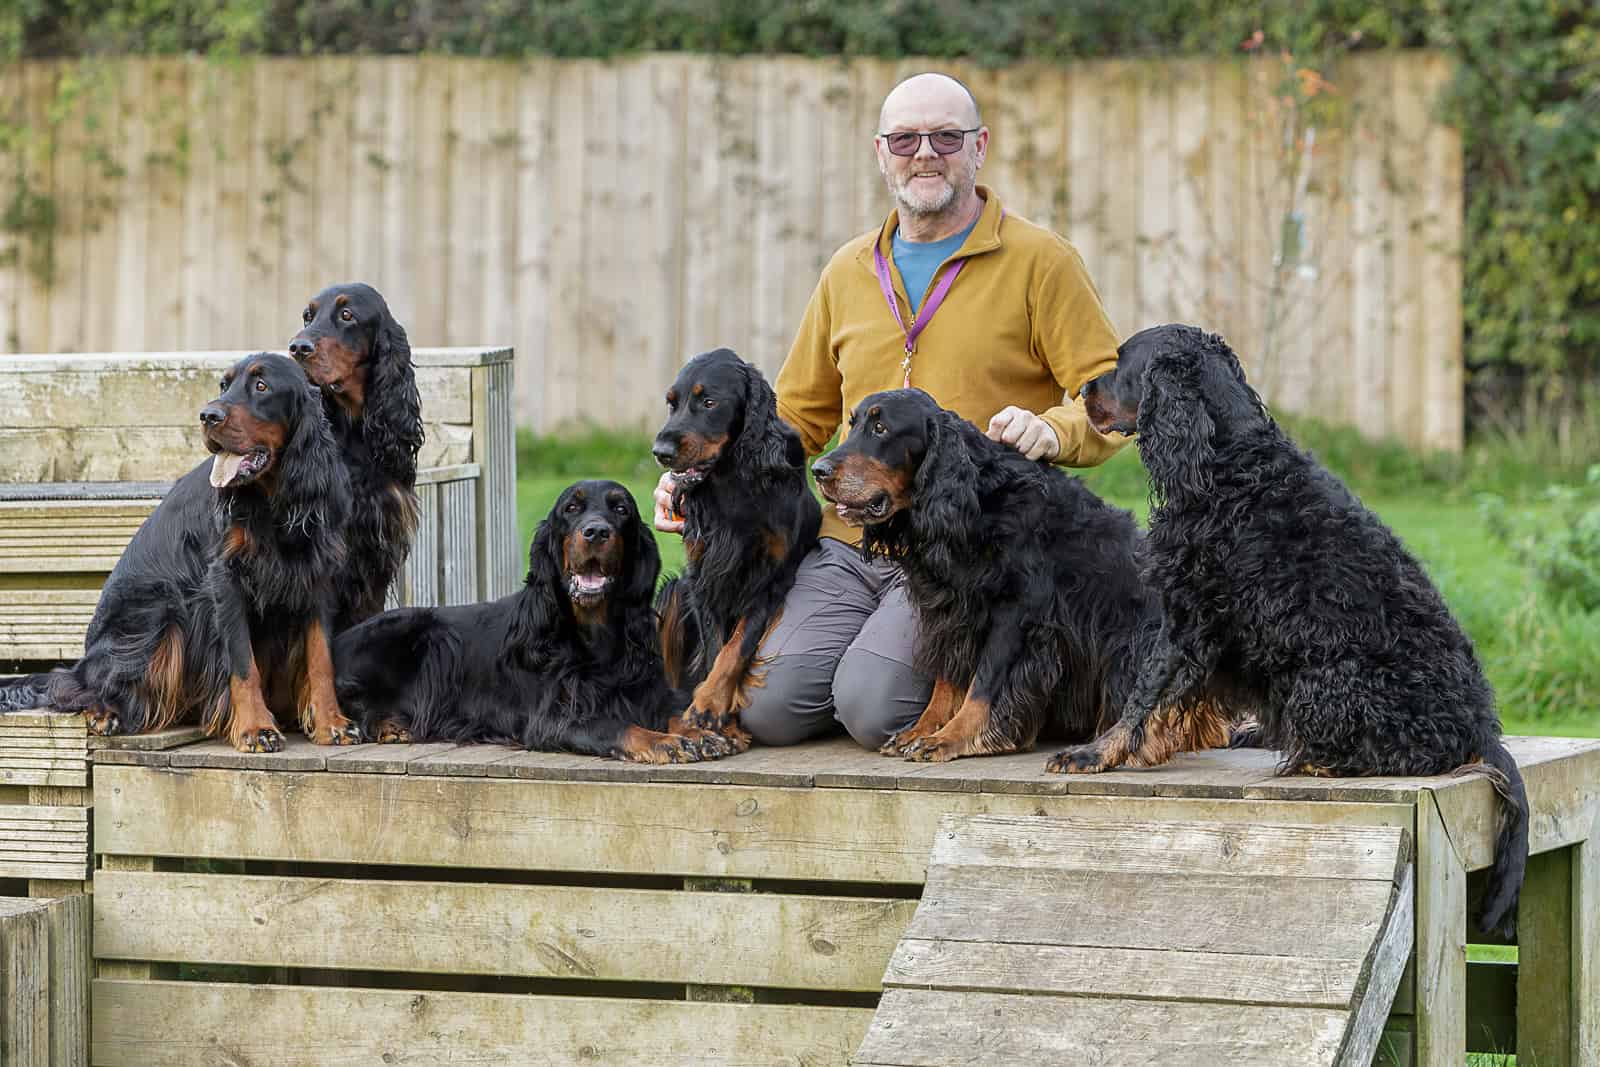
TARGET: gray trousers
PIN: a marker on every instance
(842, 654)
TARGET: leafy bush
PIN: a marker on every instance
(1559, 543)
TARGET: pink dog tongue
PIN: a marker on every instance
(224, 468)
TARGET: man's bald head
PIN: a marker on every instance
(930, 92)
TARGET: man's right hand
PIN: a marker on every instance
(664, 519)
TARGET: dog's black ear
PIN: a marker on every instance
(642, 565)
(392, 420)
(1222, 382)
(538, 614)
(763, 443)
(1177, 435)
(944, 512)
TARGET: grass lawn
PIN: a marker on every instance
(1440, 524)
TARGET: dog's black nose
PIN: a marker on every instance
(822, 470)
(300, 348)
(212, 414)
(597, 533)
(663, 452)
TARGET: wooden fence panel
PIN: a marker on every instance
(611, 218)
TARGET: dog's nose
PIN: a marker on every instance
(822, 470)
(597, 533)
(300, 348)
(212, 415)
(663, 452)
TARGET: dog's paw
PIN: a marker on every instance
(102, 721)
(392, 733)
(1080, 759)
(934, 749)
(338, 732)
(265, 739)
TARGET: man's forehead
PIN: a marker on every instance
(927, 101)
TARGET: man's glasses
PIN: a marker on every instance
(944, 142)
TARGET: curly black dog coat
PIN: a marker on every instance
(749, 519)
(222, 604)
(571, 663)
(1027, 594)
(1280, 587)
(357, 354)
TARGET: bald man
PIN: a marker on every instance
(1004, 341)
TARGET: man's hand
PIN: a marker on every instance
(1025, 432)
(664, 519)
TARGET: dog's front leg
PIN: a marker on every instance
(1158, 673)
(320, 717)
(249, 725)
(975, 729)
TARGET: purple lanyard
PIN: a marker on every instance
(920, 320)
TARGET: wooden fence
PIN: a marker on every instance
(609, 218)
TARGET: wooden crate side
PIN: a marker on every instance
(195, 1023)
(44, 841)
(757, 939)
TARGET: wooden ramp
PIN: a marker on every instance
(1050, 940)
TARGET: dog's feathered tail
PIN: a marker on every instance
(1499, 912)
(25, 692)
(680, 637)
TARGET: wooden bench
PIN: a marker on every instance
(480, 902)
(89, 444)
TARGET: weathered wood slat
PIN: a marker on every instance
(805, 942)
(995, 1028)
(24, 982)
(192, 1023)
(1146, 974)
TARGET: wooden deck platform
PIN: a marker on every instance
(421, 900)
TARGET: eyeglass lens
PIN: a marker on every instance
(944, 142)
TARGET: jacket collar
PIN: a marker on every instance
(985, 236)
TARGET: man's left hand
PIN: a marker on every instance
(1025, 432)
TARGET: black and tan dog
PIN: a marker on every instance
(570, 663)
(749, 519)
(1278, 586)
(358, 355)
(222, 605)
(1024, 582)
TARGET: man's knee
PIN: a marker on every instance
(793, 702)
(876, 698)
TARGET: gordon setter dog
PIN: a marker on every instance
(1280, 587)
(1027, 593)
(571, 663)
(357, 354)
(222, 605)
(749, 519)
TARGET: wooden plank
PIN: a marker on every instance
(24, 982)
(1561, 776)
(1117, 271)
(1141, 974)
(1441, 357)
(1586, 945)
(458, 548)
(1370, 308)
(42, 776)
(1545, 940)
(1380, 978)
(70, 189)
(461, 760)
(712, 831)
(1002, 1028)
(466, 170)
(1405, 204)
(11, 103)
(536, 170)
(1211, 913)
(1441, 950)
(566, 338)
(36, 150)
(1140, 847)
(383, 759)
(189, 1022)
(1158, 177)
(298, 754)
(430, 219)
(172, 737)
(609, 252)
(806, 942)
(69, 919)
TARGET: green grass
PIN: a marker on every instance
(1538, 659)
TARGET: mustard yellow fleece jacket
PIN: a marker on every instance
(1022, 325)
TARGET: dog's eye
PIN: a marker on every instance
(347, 315)
(620, 509)
(708, 402)
(222, 386)
(878, 430)
(261, 385)
(572, 506)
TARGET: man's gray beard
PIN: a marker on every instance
(954, 194)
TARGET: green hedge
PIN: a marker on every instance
(1527, 97)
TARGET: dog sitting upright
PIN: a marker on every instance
(1277, 585)
(749, 519)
